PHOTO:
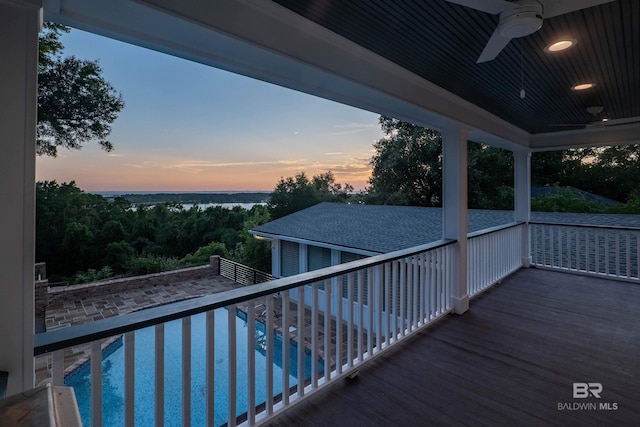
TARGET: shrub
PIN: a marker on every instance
(565, 200)
(202, 255)
(150, 264)
(92, 275)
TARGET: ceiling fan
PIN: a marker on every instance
(520, 18)
(599, 121)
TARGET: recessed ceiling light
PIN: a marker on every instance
(560, 45)
(583, 86)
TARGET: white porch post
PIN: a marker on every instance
(454, 210)
(522, 196)
(303, 261)
(19, 26)
(276, 258)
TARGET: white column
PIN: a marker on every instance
(276, 258)
(454, 210)
(303, 265)
(19, 26)
(336, 286)
(522, 196)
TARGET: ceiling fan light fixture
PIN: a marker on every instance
(560, 45)
(583, 86)
(520, 20)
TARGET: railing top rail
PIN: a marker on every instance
(104, 328)
(493, 229)
(602, 227)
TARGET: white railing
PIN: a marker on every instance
(586, 249)
(493, 254)
(271, 351)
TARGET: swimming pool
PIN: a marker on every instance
(113, 374)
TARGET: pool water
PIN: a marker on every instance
(113, 374)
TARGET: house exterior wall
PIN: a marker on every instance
(295, 258)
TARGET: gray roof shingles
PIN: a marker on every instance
(385, 229)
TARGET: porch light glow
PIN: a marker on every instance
(583, 86)
(560, 45)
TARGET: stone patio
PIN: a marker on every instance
(69, 313)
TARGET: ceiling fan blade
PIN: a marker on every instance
(494, 46)
(489, 6)
(624, 121)
(560, 7)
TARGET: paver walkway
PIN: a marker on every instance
(69, 313)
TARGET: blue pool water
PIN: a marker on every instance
(113, 374)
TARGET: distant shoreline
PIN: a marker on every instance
(216, 197)
(111, 193)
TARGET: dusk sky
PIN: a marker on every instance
(189, 127)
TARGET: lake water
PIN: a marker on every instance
(247, 206)
(203, 206)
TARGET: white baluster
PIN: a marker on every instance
(210, 369)
(186, 371)
(129, 378)
(96, 383)
(159, 374)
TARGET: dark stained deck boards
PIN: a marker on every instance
(508, 361)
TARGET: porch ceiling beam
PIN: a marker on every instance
(590, 137)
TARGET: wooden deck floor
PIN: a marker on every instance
(509, 361)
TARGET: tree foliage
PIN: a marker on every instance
(75, 103)
(407, 169)
(406, 166)
(565, 200)
(612, 172)
(79, 234)
(295, 193)
(256, 253)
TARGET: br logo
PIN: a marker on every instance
(584, 390)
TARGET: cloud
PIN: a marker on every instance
(353, 127)
(194, 167)
(114, 155)
(187, 164)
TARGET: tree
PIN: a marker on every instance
(565, 200)
(75, 103)
(407, 169)
(406, 166)
(560, 168)
(296, 193)
(256, 253)
(615, 172)
(490, 177)
(81, 232)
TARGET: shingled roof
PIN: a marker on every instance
(383, 229)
